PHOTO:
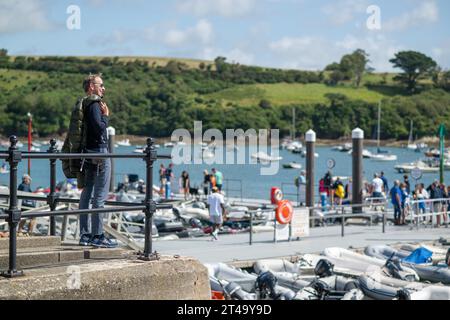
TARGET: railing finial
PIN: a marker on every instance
(13, 140)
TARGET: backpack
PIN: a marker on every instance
(340, 192)
(75, 141)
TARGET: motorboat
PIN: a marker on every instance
(124, 143)
(351, 259)
(264, 157)
(207, 154)
(378, 286)
(434, 273)
(384, 157)
(292, 165)
(169, 145)
(408, 167)
(139, 150)
(433, 153)
(303, 154)
(294, 145)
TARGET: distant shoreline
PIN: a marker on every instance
(141, 140)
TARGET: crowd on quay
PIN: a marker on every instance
(404, 198)
(167, 178)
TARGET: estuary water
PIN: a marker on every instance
(247, 176)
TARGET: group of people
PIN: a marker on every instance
(332, 191)
(210, 181)
(436, 197)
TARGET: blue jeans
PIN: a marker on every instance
(323, 201)
(97, 181)
(397, 212)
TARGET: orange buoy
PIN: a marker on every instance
(284, 212)
(276, 195)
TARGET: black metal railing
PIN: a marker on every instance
(13, 214)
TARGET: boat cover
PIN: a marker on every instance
(419, 256)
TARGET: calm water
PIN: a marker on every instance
(254, 184)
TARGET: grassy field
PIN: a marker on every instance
(11, 79)
(284, 93)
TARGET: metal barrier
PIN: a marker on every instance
(13, 214)
(296, 194)
(339, 212)
(227, 187)
(434, 211)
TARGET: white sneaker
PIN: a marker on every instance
(214, 234)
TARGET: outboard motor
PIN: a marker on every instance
(324, 268)
(266, 283)
(403, 294)
(397, 271)
(321, 288)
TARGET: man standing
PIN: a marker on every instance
(97, 172)
(385, 182)
(25, 186)
(396, 200)
(216, 211)
(219, 178)
(169, 176)
(377, 187)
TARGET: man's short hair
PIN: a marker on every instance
(89, 79)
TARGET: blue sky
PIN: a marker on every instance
(301, 34)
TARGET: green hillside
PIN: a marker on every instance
(285, 93)
(155, 96)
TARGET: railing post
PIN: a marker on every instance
(14, 214)
(151, 156)
(357, 168)
(51, 199)
(251, 228)
(310, 150)
(342, 222)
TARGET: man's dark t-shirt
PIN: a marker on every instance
(96, 124)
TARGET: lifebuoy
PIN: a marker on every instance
(284, 212)
(276, 195)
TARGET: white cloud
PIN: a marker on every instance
(226, 8)
(202, 33)
(17, 16)
(310, 53)
(380, 49)
(314, 53)
(427, 12)
(235, 55)
(343, 11)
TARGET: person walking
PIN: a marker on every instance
(216, 206)
(97, 172)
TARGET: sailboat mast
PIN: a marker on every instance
(293, 124)
(410, 141)
(379, 124)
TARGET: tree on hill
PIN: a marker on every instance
(415, 66)
(351, 67)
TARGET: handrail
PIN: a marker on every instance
(227, 188)
(13, 214)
